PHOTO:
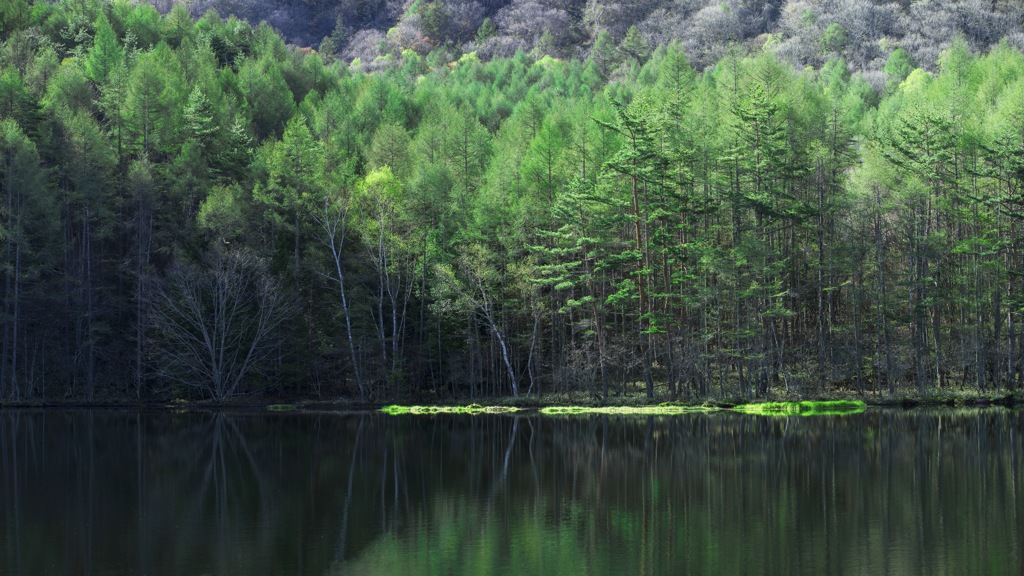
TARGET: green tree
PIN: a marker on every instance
(390, 147)
(268, 96)
(382, 215)
(639, 164)
(113, 102)
(634, 46)
(15, 101)
(295, 170)
(603, 54)
(834, 40)
(147, 106)
(921, 143)
(198, 117)
(13, 16)
(897, 67)
(487, 29)
(105, 53)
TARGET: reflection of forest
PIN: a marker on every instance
(162, 493)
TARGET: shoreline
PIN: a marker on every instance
(550, 404)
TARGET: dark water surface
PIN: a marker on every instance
(884, 492)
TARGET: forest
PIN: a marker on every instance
(197, 209)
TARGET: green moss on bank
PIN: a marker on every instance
(802, 408)
(395, 409)
(666, 409)
(805, 408)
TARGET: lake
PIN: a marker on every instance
(232, 493)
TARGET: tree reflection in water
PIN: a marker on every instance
(231, 493)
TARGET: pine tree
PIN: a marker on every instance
(105, 53)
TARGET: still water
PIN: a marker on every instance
(883, 492)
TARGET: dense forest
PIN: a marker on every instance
(196, 209)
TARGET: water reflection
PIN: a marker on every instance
(162, 493)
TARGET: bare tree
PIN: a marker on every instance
(710, 31)
(216, 321)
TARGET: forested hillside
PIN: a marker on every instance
(196, 209)
(803, 32)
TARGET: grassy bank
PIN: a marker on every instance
(396, 410)
(667, 409)
(563, 404)
(805, 408)
(631, 402)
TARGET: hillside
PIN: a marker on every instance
(803, 32)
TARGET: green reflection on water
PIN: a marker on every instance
(881, 492)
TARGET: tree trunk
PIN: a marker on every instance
(489, 316)
(883, 313)
(333, 223)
